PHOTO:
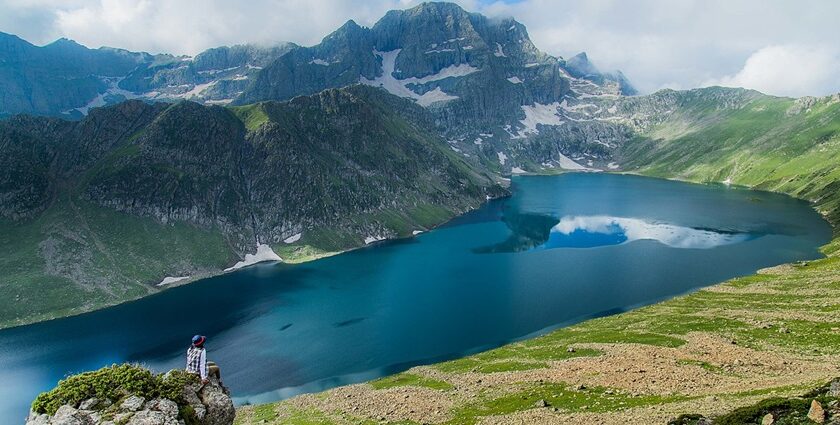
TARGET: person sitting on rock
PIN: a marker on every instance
(197, 361)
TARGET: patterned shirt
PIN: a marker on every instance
(197, 361)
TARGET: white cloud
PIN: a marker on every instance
(788, 70)
(677, 44)
(657, 43)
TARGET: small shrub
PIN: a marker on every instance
(113, 382)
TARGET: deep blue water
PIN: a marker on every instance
(562, 249)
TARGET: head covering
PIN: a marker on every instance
(198, 340)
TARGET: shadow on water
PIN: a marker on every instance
(349, 322)
(527, 231)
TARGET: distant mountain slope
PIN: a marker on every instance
(98, 211)
(59, 76)
(67, 79)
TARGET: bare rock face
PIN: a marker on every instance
(768, 419)
(208, 404)
(816, 413)
(834, 388)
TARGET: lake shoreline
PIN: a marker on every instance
(208, 275)
(365, 298)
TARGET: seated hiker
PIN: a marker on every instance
(197, 360)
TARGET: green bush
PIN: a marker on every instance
(114, 382)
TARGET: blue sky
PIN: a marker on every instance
(781, 47)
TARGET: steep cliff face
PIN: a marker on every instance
(463, 66)
(501, 103)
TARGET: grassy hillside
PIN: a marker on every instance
(77, 257)
(99, 211)
(772, 334)
(776, 144)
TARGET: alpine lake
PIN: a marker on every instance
(561, 250)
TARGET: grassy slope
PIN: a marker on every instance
(760, 145)
(90, 240)
(113, 257)
(774, 333)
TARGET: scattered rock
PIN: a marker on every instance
(834, 388)
(816, 413)
(219, 406)
(768, 419)
(166, 406)
(89, 404)
(132, 404)
(570, 350)
(67, 415)
(122, 418)
(541, 403)
(150, 417)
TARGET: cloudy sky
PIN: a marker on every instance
(782, 47)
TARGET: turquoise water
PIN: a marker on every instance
(562, 249)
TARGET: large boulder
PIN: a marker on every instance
(189, 401)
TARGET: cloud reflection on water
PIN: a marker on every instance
(588, 231)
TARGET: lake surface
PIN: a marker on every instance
(561, 250)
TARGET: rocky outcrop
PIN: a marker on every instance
(208, 404)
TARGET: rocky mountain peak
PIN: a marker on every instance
(580, 66)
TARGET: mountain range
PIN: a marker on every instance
(122, 173)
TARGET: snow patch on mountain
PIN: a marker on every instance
(539, 114)
(98, 101)
(567, 163)
(429, 52)
(197, 90)
(499, 53)
(264, 253)
(168, 280)
(515, 80)
(400, 87)
(502, 157)
(292, 239)
(578, 108)
(434, 96)
(374, 238)
(218, 101)
(319, 62)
